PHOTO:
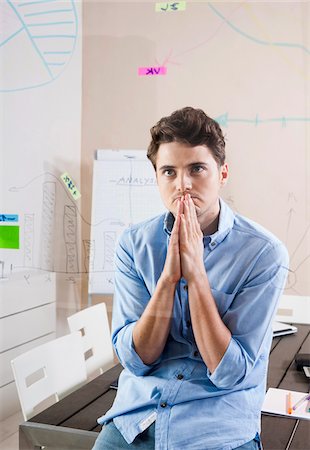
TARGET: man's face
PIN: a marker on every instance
(182, 169)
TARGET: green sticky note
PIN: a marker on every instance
(70, 186)
(9, 236)
(170, 6)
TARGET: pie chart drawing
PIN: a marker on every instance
(37, 41)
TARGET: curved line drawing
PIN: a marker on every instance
(58, 37)
(205, 41)
(254, 39)
(168, 59)
(20, 188)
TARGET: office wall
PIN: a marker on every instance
(246, 64)
(40, 129)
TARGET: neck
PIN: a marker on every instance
(212, 227)
(213, 222)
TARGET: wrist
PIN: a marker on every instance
(198, 277)
(167, 282)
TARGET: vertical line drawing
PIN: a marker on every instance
(28, 239)
(89, 251)
(70, 235)
(48, 213)
(109, 240)
(2, 269)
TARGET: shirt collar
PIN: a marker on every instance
(226, 222)
(168, 222)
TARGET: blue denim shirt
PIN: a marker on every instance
(195, 409)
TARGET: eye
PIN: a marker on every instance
(197, 169)
(168, 172)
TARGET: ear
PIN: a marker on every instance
(223, 174)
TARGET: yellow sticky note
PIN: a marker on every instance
(170, 6)
(70, 186)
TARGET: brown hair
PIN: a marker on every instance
(188, 126)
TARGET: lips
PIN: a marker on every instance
(180, 196)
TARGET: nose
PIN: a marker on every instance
(184, 183)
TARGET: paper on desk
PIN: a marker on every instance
(275, 403)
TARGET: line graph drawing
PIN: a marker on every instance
(226, 20)
(59, 183)
(106, 236)
(255, 39)
(169, 58)
(41, 31)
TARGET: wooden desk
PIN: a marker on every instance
(71, 423)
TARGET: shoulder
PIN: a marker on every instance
(254, 234)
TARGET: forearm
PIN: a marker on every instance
(211, 334)
(152, 329)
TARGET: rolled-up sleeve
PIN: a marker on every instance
(130, 299)
(250, 316)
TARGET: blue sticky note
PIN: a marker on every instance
(8, 218)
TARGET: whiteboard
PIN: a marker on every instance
(246, 64)
(40, 139)
(124, 192)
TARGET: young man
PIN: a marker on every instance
(196, 290)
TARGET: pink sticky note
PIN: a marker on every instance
(142, 71)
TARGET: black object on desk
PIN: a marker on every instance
(114, 384)
(302, 360)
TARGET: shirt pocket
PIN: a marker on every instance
(222, 300)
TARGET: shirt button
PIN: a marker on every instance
(213, 243)
(163, 404)
(188, 323)
(180, 376)
(185, 288)
(196, 353)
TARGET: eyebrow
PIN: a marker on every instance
(168, 167)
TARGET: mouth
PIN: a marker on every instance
(196, 201)
(180, 196)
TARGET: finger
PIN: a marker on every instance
(194, 217)
(176, 225)
(181, 205)
(183, 229)
(191, 207)
(188, 214)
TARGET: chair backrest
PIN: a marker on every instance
(49, 372)
(93, 323)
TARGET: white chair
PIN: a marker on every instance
(49, 372)
(93, 323)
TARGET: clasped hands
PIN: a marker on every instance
(185, 250)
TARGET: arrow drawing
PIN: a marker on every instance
(224, 120)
